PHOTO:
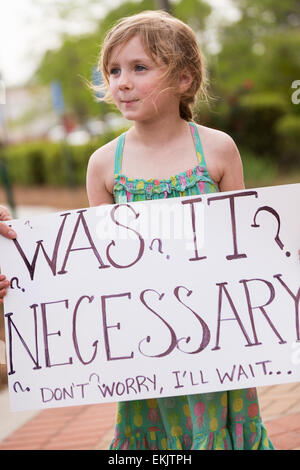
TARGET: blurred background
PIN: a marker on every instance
(50, 122)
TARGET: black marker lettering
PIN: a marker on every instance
(173, 341)
(106, 327)
(236, 315)
(192, 202)
(75, 339)
(296, 298)
(113, 243)
(46, 334)
(92, 246)
(205, 330)
(35, 359)
(231, 198)
(261, 307)
(51, 262)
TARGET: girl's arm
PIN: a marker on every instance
(232, 177)
(98, 172)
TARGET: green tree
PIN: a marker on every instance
(254, 70)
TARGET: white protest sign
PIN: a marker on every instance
(154, 298)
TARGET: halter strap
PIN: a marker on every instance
(196, 138)
(198, 145)
(119, 153)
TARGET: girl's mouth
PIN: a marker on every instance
(129, 101)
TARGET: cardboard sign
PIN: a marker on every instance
(157, 298)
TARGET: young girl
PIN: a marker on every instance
(153, 71)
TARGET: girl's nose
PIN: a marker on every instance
(124, 81)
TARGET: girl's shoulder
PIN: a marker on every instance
(222, 158)
(216, 140)
(104, 155)
(218, 145)
(100, 171)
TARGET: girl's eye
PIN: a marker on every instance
(114, 71)
(140, 68)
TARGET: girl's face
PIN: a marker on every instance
(136, 83)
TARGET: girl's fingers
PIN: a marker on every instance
(2, 293)
(4, 213)
(6, 231)
(4, 284)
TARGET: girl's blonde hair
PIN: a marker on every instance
(165, 39)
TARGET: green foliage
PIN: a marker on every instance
(253, 73)
(72, 66)
(48, 163)
(193, 12)
(253, 121)
(288, 128)
(257, 171)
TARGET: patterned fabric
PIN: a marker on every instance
(188, 183)
(219, 420)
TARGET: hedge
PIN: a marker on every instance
(49, 163)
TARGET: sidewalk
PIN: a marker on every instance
(69, 428)
(91, 427)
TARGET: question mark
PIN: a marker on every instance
(17, 284)
(276, 215)
(96, 375)
(159, 246)
(28, 223)
(27, 389)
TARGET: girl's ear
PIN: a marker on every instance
(185, 80)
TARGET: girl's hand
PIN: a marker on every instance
(4, 213)
(4, 284)
(7, 232)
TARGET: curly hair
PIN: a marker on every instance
(167, 39)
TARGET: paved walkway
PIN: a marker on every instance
(91, 427)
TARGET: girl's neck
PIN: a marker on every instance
(160, 131)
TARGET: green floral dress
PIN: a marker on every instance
(219, 420)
